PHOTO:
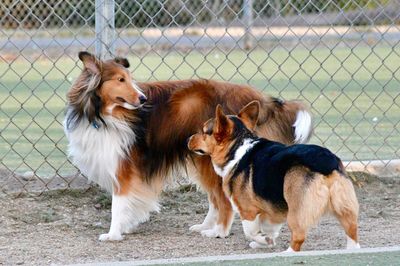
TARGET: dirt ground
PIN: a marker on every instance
(63, 227)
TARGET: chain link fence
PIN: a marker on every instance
(342, 57)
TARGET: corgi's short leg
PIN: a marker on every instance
(271, 231)
(345, 207)
(251, 228)
(298, 233)
(252, 231)
(307, 196)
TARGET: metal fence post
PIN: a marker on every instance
(105, 28)
(247, 21)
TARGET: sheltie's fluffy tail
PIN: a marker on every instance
(289, 122)
(302, 126)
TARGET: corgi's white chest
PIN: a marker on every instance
(239, 153)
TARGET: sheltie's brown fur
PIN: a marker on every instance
(174, 111)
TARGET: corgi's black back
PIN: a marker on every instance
(270, 161)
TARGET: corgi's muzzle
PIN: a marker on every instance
(191, 146)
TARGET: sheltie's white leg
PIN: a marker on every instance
(120, 214)
(127, 212)
(209, 222)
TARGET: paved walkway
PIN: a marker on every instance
(366, 256)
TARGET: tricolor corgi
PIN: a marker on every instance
(269, 183)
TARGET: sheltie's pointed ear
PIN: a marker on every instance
(249, 114)
(122, 61)
(90, 62)
(221, 125)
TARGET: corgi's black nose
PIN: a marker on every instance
(142, 99)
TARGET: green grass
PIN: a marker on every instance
(354, 95)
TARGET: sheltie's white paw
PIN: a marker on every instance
(110, 237)
(254, 244)
(217, 231)
(200, 227)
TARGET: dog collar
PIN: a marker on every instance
(95, 125)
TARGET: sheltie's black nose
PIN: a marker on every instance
(142, 99)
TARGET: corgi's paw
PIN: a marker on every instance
(289, 250)
(111, 237)
(216, 231)
(255, 245)
(351, 244)
(200, 227)
(270, 241)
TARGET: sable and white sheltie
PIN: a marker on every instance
(268, 182)
(128, 137)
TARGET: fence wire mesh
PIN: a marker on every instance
(342, 57)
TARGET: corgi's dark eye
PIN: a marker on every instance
(121, 79)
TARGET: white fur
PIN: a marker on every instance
(351, 244)
(251, 228)
(289, 250)
(302, 126)
(128, 212)
(217, 231)
(262, 233)
(240, 152)
(110, 108)
(209, 222)
(255, 245)
(252, 232)
(129, 106)
(125, 105)
(234, 207)
(271, 231)
(97, 152)
(137, 88)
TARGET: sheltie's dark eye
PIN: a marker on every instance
(121, 79)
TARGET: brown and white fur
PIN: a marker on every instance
(269, 183)
(128, 137)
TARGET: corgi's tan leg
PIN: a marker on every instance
(298, 231)
(307, 196)
(345, 207)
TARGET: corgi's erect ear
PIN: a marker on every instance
(221, 124)
(249, 114)
(90, 62)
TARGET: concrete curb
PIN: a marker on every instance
(376, 167)
(244, 257)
